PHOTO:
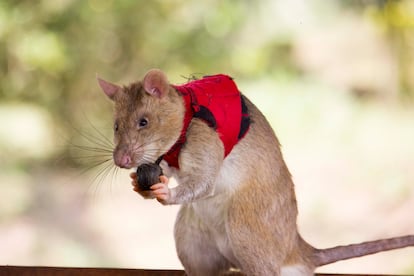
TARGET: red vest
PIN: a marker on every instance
(216, 100)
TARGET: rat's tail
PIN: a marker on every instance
(339, 253)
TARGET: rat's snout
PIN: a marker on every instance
(122, 159)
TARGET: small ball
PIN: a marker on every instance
(147, 175)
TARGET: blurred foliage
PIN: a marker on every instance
(396, 19)
(51, 50)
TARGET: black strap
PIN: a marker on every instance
(245, 120)
(158, 161)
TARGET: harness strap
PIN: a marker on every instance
(220, 93)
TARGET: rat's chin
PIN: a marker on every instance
(147, 160)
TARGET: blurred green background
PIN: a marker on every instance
(334, 78)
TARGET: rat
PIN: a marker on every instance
(238, 207)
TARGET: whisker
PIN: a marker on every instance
(138, 146)
(114, 175)
(92, 139)
(91, 148)
(95, 165)
(102, 137)
(91, 152)
(103, 167)
(87, 157)
(100, 176)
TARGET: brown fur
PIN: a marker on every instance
(238, 212)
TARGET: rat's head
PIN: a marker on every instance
(148, 118)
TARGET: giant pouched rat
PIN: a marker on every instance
(238, 206)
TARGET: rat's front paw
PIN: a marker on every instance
(160, 191)
(147, 194)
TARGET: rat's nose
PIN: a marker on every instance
(123, 160)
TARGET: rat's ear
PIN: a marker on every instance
(108, 88)
(156, 83)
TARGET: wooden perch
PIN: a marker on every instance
(86, 271)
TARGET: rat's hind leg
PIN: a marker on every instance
(196, 249)
(262, 233)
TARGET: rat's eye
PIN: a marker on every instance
(143, 122)
(116, 127)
